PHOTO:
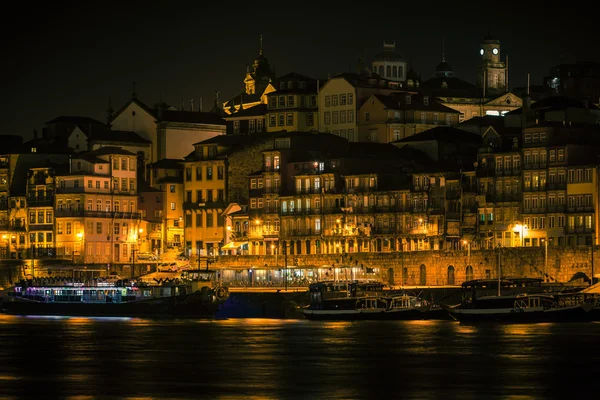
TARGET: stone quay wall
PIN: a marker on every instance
(419, 268)
(433, 268)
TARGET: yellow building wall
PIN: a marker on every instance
(216, 233)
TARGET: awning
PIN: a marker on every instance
(233, 245)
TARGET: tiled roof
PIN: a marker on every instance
(556, 103)
(442, 134)
(110, 150)
(453, 83)
(194, 117)
(244, 98)
(109, 135)
(168, 163)
(257, 110)
(76, 120)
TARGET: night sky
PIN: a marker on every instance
(68, 58)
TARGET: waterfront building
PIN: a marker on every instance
(340, 97)
(166, 175)
(152, 208)
(96, 210)
(293, 106)
(246, 121)
(216, 175)
(388, 118)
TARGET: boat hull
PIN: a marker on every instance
(182, 306)
(578, 313)
(365, 315)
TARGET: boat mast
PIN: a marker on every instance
(498, 272)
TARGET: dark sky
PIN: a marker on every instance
(68, 58)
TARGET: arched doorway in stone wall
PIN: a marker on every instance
(469, 273)
(451, 275)
(422, 275)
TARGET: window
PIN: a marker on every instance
(289, 119)
(290, 101)
(260, 125)
(351, 116)
(423, 117)
(252, 126)
(310, 119)
(327, 117)
(173, 205)
(282, 101)
(342, 99)
(272, 102)
(426, 100)
(334, 100)
(272, 120)
(335, 117)
(220, 172)
(342, 116)
(209, 173)
(367, 116)
(281, 119)
(327, 101)
(236, 126)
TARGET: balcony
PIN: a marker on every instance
(556, 209)
(97, 214)
(383, 230)
(193, 205)
(40, 201)
(301, 232)
(308, 191)
(41, 227)
(578, 229)
(580, 209)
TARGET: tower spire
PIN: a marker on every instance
(443, 55)
(109, 111)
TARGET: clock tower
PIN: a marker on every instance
(492, 73)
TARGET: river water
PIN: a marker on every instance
(120, 358)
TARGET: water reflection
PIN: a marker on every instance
(261, 358)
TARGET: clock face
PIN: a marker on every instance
(481, 51)
(495, 51)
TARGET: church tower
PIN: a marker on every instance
(259, 74)
(492, 73)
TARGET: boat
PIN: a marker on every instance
(355, 300)
(190, 293)
(515, 300)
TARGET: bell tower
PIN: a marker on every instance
(492, 73)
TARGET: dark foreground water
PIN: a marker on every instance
(85, 358)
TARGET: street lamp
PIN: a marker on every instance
(80, 237)
(545, 240)
(468, 244)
